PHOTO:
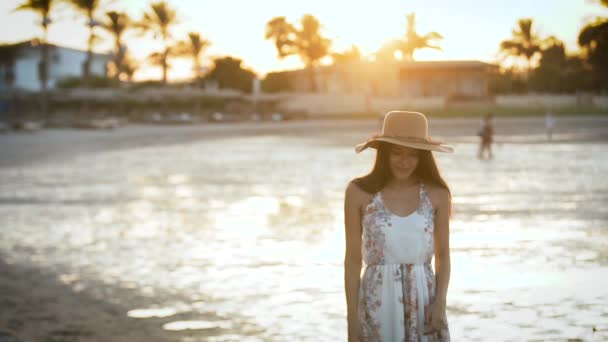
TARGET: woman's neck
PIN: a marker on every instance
(404, 184)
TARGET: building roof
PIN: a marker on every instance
(34, 43)
(424, 65)
(446, 65)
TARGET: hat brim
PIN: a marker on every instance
(373, 143)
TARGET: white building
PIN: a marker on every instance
(63, 63)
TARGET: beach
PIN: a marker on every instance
(130, 234)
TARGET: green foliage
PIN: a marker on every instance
(116, 24)
(276, 82)
(593, 38)
(193, 47)
(42, 7)
(508, 82)
(413, 41)
(229, 74)
(8, 53)
(88, 8)
(158, 20)
(559, 73)
(93, 82)
(307, 41)
(525, 42)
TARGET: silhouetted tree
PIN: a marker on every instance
(88, 8)
(193, 47)
(276, 82)
(117, 23)
(228, 73)
(593, 38)
(557, 72)
(306, 41)
(159, 20)
(525, 43)
(43, 9)
(413, 41)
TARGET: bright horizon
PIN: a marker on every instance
(472, 30)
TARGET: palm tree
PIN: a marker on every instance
(129, 66)
(158, 20)
(283, 34)
(306, 42)
(88, 8)
(116, 25)
(43, 8)
(193, 47)
(593, 39)
(525, 42)
(413, 41)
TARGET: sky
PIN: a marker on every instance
(472, 29)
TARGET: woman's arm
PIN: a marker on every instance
(442, 259)
(442, 243)
(352, 258)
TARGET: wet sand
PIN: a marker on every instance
(36, 306)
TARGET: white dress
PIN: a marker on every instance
(398, 281)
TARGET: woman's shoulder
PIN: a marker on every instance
(438, 195)
(355, 193)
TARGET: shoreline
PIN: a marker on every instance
(23, 148)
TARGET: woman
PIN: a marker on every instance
(396, 220)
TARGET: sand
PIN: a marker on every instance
(36, 306)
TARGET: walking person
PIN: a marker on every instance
(486, 134)
(396, 222)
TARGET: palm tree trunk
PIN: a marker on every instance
(118, 58)
(197, 68)
(311, 77)
(86, 72)
(43, 73)
(165, 65)
(117, 61)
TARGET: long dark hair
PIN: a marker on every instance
(426, 170)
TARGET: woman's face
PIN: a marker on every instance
(402, 161)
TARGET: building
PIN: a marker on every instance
(21, 70)
(464, 79)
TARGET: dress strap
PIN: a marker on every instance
(423, 193)
(425, 202)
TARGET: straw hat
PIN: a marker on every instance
(407, 129)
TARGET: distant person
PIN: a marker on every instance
(549, 123)
(486, 135)
(398, 297)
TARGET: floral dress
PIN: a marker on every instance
(398, 282)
